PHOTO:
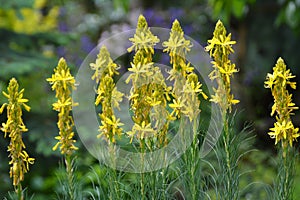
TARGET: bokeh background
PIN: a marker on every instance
(34, 34)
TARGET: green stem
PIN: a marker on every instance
(114, 172)
(286, 173)
(116, 184)
(226, 140)
(193, 161)
(69, 170)
(286, 180)
(163, 171)
(142, 182)
(190, 160)
(153, 176)
(19, 191)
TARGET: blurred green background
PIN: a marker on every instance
(35, 33)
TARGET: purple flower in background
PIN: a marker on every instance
(61, 51)
(62, 25)
(86, 44)
(175, 13)
(62, 11)
(148, 14)
(163, 18)
(188, 29)
(154, 18)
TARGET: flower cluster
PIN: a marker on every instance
(150, 97)
(15, 126)
(283, 129)
(108, 95)
(143, 39)
(220, 47)
(32, 20)
(63, 82)
(149, 93)
(186, 85)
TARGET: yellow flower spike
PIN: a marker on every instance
(63, 83)
(149, 89)
(186, 85)
(143, 39)
(107, 95)
(283, 106)
(177, 46)
(219, 48)
(15, 126)
(103, 65)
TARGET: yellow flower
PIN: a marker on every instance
(32, 20)
(141, 131)
(149, 90)
(177, 46)
(186, 85)
(107, 95)
(63, 82)
(143, 39)
(110, 128)
(139, 70)
(103, 65)
(176, 106)
(278, 81)
(219, 48)
(61, 104)
(15, 126)
(283, 131)
(220, 42)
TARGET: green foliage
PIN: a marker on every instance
(224, 10)
(69, 184)
(122, 4)
(289, 14)
(16, 4)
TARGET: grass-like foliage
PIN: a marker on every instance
(69, 186)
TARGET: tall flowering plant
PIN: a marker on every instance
(63, 82)
(15, 127)
(185, 92)
(107, 95)
(147, 92)
(283, 131)
(186, 85)
(219, 48)
(153, 104)
(146, 78)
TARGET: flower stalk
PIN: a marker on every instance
(186, 102)
(109, 97)
(219, 48)
(63, 83)
(283, 131)
(143, 75)
(15, 127)
(147, 106)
